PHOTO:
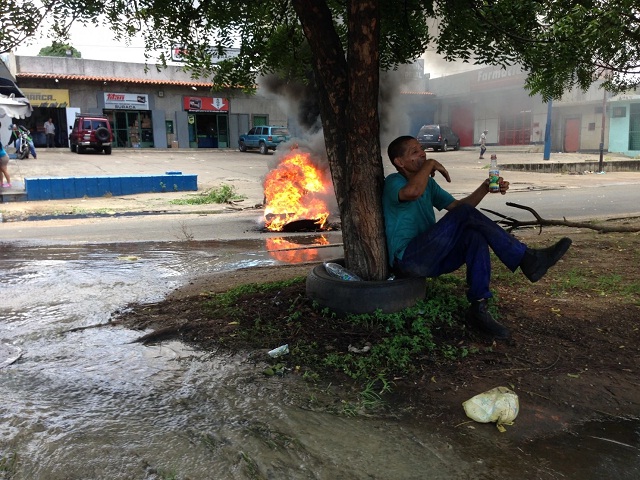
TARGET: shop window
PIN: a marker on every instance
(260, 120)
(223, 131)
(131, 129)
(146, 130)
(619, 112)
(515, 129)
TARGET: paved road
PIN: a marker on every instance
(553, 195)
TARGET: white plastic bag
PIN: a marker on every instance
(498, 405)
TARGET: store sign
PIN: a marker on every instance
(205, 104)
(617, 98)
(45, 97)
(496, 78)
(126, 101)
(178, 54)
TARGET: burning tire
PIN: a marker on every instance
(344, 297)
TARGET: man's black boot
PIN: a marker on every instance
(536, 262)
(480, 318)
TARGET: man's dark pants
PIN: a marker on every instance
(462, 236)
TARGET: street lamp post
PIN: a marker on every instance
(547, 133)
(604, 117)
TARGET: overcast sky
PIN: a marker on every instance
(94, 43)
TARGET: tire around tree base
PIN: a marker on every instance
(358, 297)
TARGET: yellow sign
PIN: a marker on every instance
(47, 97)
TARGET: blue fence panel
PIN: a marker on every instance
(52, 188)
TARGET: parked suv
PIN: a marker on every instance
(91, 131)
(438, 137)
(265, 137)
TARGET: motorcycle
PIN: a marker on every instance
(22, 143)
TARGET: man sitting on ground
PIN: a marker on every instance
(420, 246)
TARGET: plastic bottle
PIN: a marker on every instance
(494, 175)
(340, 272)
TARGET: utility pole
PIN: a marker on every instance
(547, 132)
(604, 117)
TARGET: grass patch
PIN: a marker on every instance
(370, 349)
(611, 284)
(222, 194)
(8, 464)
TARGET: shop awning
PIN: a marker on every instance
(14, 107)
(13, 102)
(8, 88)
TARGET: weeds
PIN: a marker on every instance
(221, 194)
(608, 284)
(186, 233)
(398, 343)
(8, 464)
(168, 475)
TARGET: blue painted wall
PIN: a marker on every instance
(619, 130)
(55, 188)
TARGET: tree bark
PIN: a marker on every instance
(348, 91)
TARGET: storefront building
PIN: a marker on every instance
(166, 108)
(625, 124)
(496, 100)
(48, 104)
(153, 109)
(208, 120)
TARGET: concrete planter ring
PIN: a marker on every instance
(358, 297)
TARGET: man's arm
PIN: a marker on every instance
(416, 185)
(479, 193)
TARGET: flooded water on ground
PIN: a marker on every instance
(89, 404)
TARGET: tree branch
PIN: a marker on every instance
(513, 223)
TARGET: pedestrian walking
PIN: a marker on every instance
(483, 143)
(50, 132)
(4, 167)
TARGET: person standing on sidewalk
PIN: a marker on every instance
(483, 143)
(4, 167)
(50, 132)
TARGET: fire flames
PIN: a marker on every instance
(294, 191)
(286, 251)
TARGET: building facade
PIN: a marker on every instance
(625, 124)
(147, 107)
(496, 100)
(166, 108)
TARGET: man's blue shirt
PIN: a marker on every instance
(404, 221)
